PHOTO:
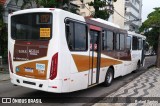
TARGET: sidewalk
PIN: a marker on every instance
(144, 90)
(4, 73)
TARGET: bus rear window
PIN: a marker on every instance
(31, 26)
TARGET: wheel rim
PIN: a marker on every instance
(109, 77)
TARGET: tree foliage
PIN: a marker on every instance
(3, 35)
(152, 21)
(151, 27)
(99, 11)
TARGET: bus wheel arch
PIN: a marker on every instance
(109, 76)
(138, 65)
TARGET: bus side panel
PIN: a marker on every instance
(128, 68)
(136, 56)
(79, 81)
(63, 54)
(119, 70)
(102, 74)
(72, 79)
(79, 71)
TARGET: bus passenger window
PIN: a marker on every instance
(117, 41)
(122, 41)
(76, 35)
(134, 43)
(69, 35)
(128, 43)
(139, 44)
(108, 40)
(80, 37)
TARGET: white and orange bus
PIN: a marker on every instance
(57, 51)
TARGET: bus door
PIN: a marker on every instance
(94, 56)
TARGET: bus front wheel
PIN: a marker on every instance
(109, 77)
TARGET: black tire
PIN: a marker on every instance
(109, 77)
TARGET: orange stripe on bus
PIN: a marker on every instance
(84, 63)
(37, 74)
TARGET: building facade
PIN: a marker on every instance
(119, 12)
(84, 9)
(133, 12)
(127, 13)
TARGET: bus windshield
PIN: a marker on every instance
(31, 26)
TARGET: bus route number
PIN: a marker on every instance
(45, 18)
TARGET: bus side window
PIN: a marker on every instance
(139, 43)
(122, 41)
(134, 43)
(69, 34)
(128, 43)
(117, 41)
(76, 35)
(107, 41)
(103, 39)
(80, 37)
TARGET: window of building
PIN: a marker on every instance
(76, 35)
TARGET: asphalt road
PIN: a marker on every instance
(8, 90)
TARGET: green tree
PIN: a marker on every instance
(3, 35)
(152, 28)
(29, 3)
(101, 13)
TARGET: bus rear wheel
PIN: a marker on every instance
(108, 78)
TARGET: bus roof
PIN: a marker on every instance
(105, 24)
(135, 34)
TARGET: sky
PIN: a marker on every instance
(148, 6)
